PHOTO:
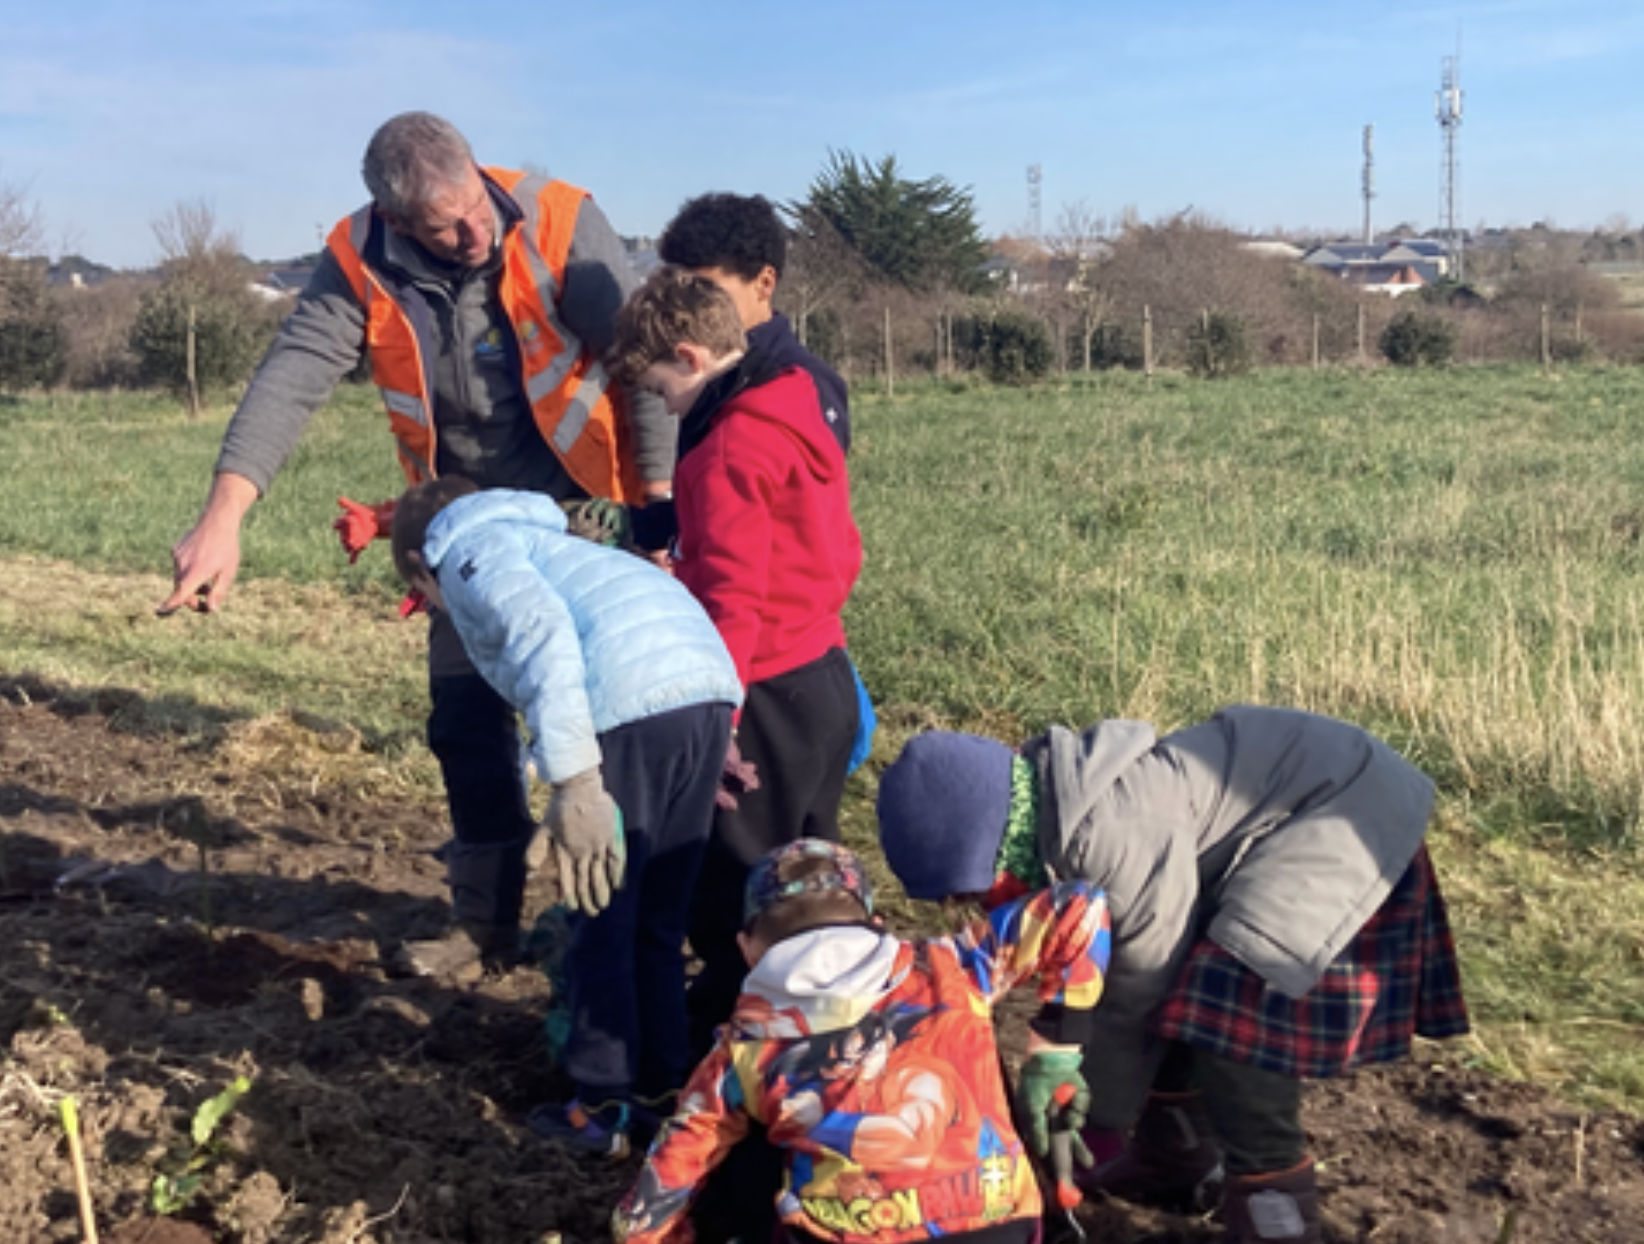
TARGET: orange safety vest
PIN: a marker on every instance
(578, 415)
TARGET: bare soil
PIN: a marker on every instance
(175, 914)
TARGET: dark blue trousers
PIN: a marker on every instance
(626, 966)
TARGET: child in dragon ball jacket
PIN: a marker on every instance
(871, 1062)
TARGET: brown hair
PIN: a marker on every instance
(810, 909)
(672, 308)
(416, 508)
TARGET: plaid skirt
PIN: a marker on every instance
(1397, 977)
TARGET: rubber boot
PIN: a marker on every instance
(1172, 1160)
(1281, 1205)
(462, 954)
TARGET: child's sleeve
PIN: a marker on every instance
(710, 1120)
(521, 637)
(1063, 936)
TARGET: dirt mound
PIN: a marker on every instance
(172, 921)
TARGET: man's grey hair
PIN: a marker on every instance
(412, 155)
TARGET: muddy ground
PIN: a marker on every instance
(386, 1110)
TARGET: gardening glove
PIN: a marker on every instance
(736, 777)
(599, 520)
(584, 829)
(358, 525)
(1051, 1090)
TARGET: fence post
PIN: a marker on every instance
(1315, 341)
(193, 383)
(1147, 343)
(1546, 341)
(890, 366)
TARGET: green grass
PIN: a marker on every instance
(1450, 558)
(111, 482)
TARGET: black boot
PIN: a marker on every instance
(1172, 1160)
(464, 953)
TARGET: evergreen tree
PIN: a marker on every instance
(921, 235)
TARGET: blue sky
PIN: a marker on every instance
(112, 111)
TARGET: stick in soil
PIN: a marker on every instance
(82, 1190)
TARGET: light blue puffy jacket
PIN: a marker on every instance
(579, 638)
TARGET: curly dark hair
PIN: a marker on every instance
(739, 233)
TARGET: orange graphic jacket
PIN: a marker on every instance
(872, 1064)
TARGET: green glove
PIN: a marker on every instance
(1051, 1092)
(584, 829)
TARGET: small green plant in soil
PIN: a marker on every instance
(183, 1168)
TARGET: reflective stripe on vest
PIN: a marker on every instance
(567, 390)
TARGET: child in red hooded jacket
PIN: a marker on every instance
(766, 542)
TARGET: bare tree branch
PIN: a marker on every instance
(22, 232)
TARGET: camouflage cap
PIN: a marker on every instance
(766, 888)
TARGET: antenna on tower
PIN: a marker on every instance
(1447, 107)
(1035, 214)
(1369, 182)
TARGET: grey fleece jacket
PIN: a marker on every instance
(1273, 832)
(481, 413)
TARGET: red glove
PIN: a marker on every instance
(360, 524)
(737, 777)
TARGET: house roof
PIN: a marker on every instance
(1335, 254)
(1433, 248)
(1274, 248)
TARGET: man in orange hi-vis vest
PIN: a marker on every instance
(484, 299)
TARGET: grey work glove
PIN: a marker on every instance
(584, 828)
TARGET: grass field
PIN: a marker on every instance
(1449, 558)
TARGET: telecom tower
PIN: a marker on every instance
(1369, 182)
(1447, 107)
(1035, 216)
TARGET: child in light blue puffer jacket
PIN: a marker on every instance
(627, 691)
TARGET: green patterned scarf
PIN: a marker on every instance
(1019, 849)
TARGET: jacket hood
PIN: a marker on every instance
(463, 515)
(830, 977)
(761, 387)
(1077, 772)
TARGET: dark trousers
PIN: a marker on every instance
(626, 966)
(474, 734)
(1256, 1114)
(797, 729)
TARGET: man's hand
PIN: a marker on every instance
(1051, 1089)
(584, 828)
(358, 525)
(736, 777)
(205, 561)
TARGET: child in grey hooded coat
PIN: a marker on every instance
(1275, 918)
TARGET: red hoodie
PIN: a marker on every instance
(766, 539)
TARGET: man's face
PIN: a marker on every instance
(454, 223)
(752, 298)
(677, 381)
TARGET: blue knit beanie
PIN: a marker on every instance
(942, 811)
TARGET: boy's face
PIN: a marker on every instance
(679, 381)
(752, 298)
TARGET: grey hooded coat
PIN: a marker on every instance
(1273, 832)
